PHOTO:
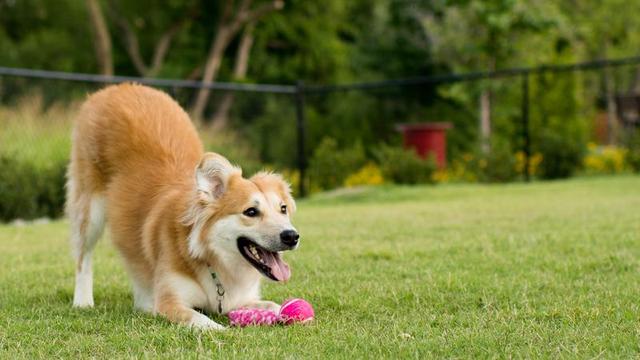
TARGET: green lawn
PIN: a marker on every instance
(461, 271)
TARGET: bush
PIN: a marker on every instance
(330, 166)
(369, 174)
(605, 160)
(497, 165)
(404, 166)
(561, 156)
(534, 163)
(28, 191)
(633, 155)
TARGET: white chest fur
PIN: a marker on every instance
(226, 293)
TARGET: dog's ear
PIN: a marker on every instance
(212, 176)
(266, 180)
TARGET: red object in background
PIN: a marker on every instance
(427, 138)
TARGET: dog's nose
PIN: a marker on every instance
(289, 237)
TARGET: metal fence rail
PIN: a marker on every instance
(301, 90)
(165, 83)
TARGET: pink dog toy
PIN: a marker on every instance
(247, 317)
(291, 311)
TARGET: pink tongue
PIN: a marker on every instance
(279, 268)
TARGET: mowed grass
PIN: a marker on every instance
(456, 271)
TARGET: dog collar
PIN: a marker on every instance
(219, 289)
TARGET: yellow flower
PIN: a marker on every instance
(441, 176)
(369, 174)
(605, 160)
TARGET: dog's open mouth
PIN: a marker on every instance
(269, 263)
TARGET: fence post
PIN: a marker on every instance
(300, 127)
(525, 126)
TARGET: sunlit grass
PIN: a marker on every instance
(471, 271)
(36, 134)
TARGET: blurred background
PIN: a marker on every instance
(520, 89)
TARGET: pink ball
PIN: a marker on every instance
(295, 311)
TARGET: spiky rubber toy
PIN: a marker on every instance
(292, 311)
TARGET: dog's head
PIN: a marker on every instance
(241, 220)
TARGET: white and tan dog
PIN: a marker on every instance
(194, 234)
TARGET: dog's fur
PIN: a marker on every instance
(175, 213)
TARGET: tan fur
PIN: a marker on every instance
(135, 150)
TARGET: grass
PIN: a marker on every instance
(456, 271)
(35, 134)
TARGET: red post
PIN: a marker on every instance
(426, 139)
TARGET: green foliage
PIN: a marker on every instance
(45, 35)
(34, 151)
(404, 166)
(234, 147)
(28, 191)
(335, 41)
(270, 130)
(561, 155)
(498, 165)
(633, 156)
(330, 165)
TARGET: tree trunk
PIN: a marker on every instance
(214, 59)
(610, 87)
(229, 26)
(485, 120)
(101, 38)
(485, 113)
(132, 45)
(221, 116)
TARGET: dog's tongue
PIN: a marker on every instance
(279, 268)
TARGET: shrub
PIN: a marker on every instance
(463, 169)
(34, 151)
(561, 156)
(605, 160)
(498, 164)
(534, 163)
(633, 155)
(28, 191)
(370, 174)
(330, 166)
(404, 166)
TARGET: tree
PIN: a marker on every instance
(162, 43)
(232, 20)
(221, 115)
(101, 38)
(607, 29)
(479, 35)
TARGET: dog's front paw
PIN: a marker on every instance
(270, 305)
(263, 304)
(202, 322)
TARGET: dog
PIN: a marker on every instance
(193, 233)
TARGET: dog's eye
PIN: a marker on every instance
(251, 212)
(283, 209)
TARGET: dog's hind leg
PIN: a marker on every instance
(86, 211)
